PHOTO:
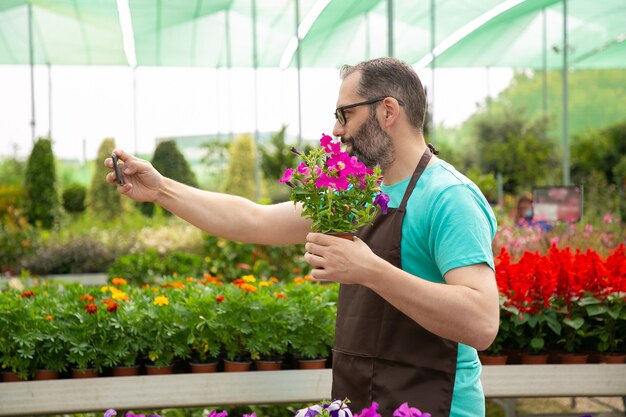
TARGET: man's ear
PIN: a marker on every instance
(392, 110)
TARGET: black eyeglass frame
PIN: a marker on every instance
(341, 116)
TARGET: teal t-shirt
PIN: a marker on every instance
(448, 224)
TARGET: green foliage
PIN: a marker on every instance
(486, 182)
(12, 171)
(171, 163)
(12, 196)
(510, 144)
(74, 198)
(230, 260)
(595, 98)
(17, 238)
(240, 179)
(40, 185)
(216, 159)
(600, 150)
(103, 199)
(80, 255)
(149, 266)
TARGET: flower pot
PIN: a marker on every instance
(573, 358)
(125, 370)
(159, 370)
(234, 366)
(312, 363)
(493, 359)
(84, 373)
(203, 368)
(612, 358)
(268, 365)
(45, 374)
(529, 359)
(9, 376)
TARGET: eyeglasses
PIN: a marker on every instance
(341, 116)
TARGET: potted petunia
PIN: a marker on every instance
(337, 192)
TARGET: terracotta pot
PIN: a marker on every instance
(45, 374)
(9, 376)
(268, 365)
(84, 373)
(528, 359)
(125, 370)
(203, 368)
(312, 363)
(234, 366)
(492, 359)
(159, 370)
(612, 358)
(573, 358)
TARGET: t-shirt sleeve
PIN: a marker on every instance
(462, 228)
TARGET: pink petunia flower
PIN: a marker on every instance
(287, 176)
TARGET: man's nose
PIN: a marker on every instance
(338, 129)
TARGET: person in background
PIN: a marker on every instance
(524, 216)
(418, 295)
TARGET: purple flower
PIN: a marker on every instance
(250, 415)
(309, 411)
(287, 176)
(338, 408)
(214, 413)
(369, 412)
(382, 200)
(333, 183)
(405, 411)
(110, 413)
(328, 144)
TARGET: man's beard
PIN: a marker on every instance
(371, 145)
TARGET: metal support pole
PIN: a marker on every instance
(31, 58)
(49, 101)
(135, 110)
(432, 71)
(229, 67)
(544, 64)
(390, 50)
(299, 64)
(255, 64)
(566, 156)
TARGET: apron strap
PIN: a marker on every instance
(421, 166)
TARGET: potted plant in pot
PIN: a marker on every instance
(312, 322)
(609, 322)
(269, 339)
(125, 340)
(201, 318)
(575, 331)
(337, 192)
(538, 328)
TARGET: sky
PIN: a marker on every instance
(89, 104)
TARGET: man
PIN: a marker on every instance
(418, 293)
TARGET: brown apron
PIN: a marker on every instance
(380, 354)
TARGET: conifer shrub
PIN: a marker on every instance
(40, 185)
(103, 199)
(240, 178)
(73, 198)
(171, 163)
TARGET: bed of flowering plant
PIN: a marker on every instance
(335, 408)
(338, 193)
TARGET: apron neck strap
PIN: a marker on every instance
(421, 166)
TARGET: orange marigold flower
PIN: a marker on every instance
(108, 301)
(239, 281)
(118, 281)
(190, 279)
(308, 278)
(175, 274)
(91, 308)
(177, 284)
(111, 308)
(280, 295)
(27, 294)
(248, 287)
(298, 280)
(219, 298)
(274, 280)
(87, 297)
(49, 317)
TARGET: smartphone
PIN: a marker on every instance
(118, 173)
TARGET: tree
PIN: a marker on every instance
(103, 199)
(40, 185)
(599, 150)
(510, 144)
(240, 178)
(170, 162)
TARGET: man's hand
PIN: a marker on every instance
(340, 260)
(142, 181)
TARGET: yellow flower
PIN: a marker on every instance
(161, 300)
(249, 278)
(189, 279)
(120, 295)
(264, 284)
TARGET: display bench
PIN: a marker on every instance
(294, 386)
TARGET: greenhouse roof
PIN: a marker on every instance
(262, 33)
